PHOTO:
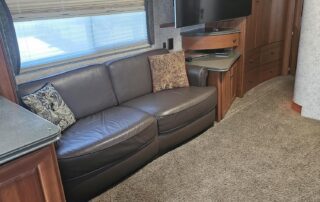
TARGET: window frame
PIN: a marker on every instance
(89, 57)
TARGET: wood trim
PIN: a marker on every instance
(296, 36)
(288, 37)
(210, 42)
(215, 79)
(296, 107)
(7, 84)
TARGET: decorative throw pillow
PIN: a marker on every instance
(168, 71)
(48, 104)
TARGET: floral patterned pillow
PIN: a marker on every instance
(168, 71)
(48, 104)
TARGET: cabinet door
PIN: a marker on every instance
(251, 26)
(34, 177)
(258, 24)
(278, 20)
(263, 17)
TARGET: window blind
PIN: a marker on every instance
(26, 10)
(43, 42)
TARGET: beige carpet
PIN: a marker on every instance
(262, 151)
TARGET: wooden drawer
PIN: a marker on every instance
(252, 78)
(271, 53)
(252, 59)
(210, 42)
(270, 71)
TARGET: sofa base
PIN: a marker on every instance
(178, 137)
(85, 188)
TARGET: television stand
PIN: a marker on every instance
(224, 71)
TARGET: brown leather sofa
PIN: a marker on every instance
(121, 125)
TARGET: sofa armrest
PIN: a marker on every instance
(197, 75)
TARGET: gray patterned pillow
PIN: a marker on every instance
(48, 104)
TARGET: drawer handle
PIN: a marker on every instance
(251, 61)
(235, 41)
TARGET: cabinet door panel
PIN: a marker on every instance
(252, 59)
(271, 53)
(270, 71)
(278, 20)
(263, 22)
(34, 177)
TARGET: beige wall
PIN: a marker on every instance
(164, 13)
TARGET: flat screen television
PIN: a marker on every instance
(193, 12)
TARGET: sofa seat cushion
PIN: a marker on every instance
(178, 107)
(104, 139)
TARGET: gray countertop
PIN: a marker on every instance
(216, 63)
(22, 132)
(213, 32)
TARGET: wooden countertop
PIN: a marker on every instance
(22, 132)
(216, 63)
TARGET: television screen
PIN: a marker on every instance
(193, 12)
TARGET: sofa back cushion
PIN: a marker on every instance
(86, 91)
(131, 76)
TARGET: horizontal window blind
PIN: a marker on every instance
(26, 10)
(43, 42)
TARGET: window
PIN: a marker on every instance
(52, 40)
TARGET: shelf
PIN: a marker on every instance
(216, 63)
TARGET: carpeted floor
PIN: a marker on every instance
(262, 151)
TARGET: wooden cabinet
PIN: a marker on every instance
(252, 78)
(265, 33)
(34, 177)
(227, 86)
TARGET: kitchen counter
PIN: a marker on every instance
(22, 132)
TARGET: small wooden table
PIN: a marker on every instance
(224, 74)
